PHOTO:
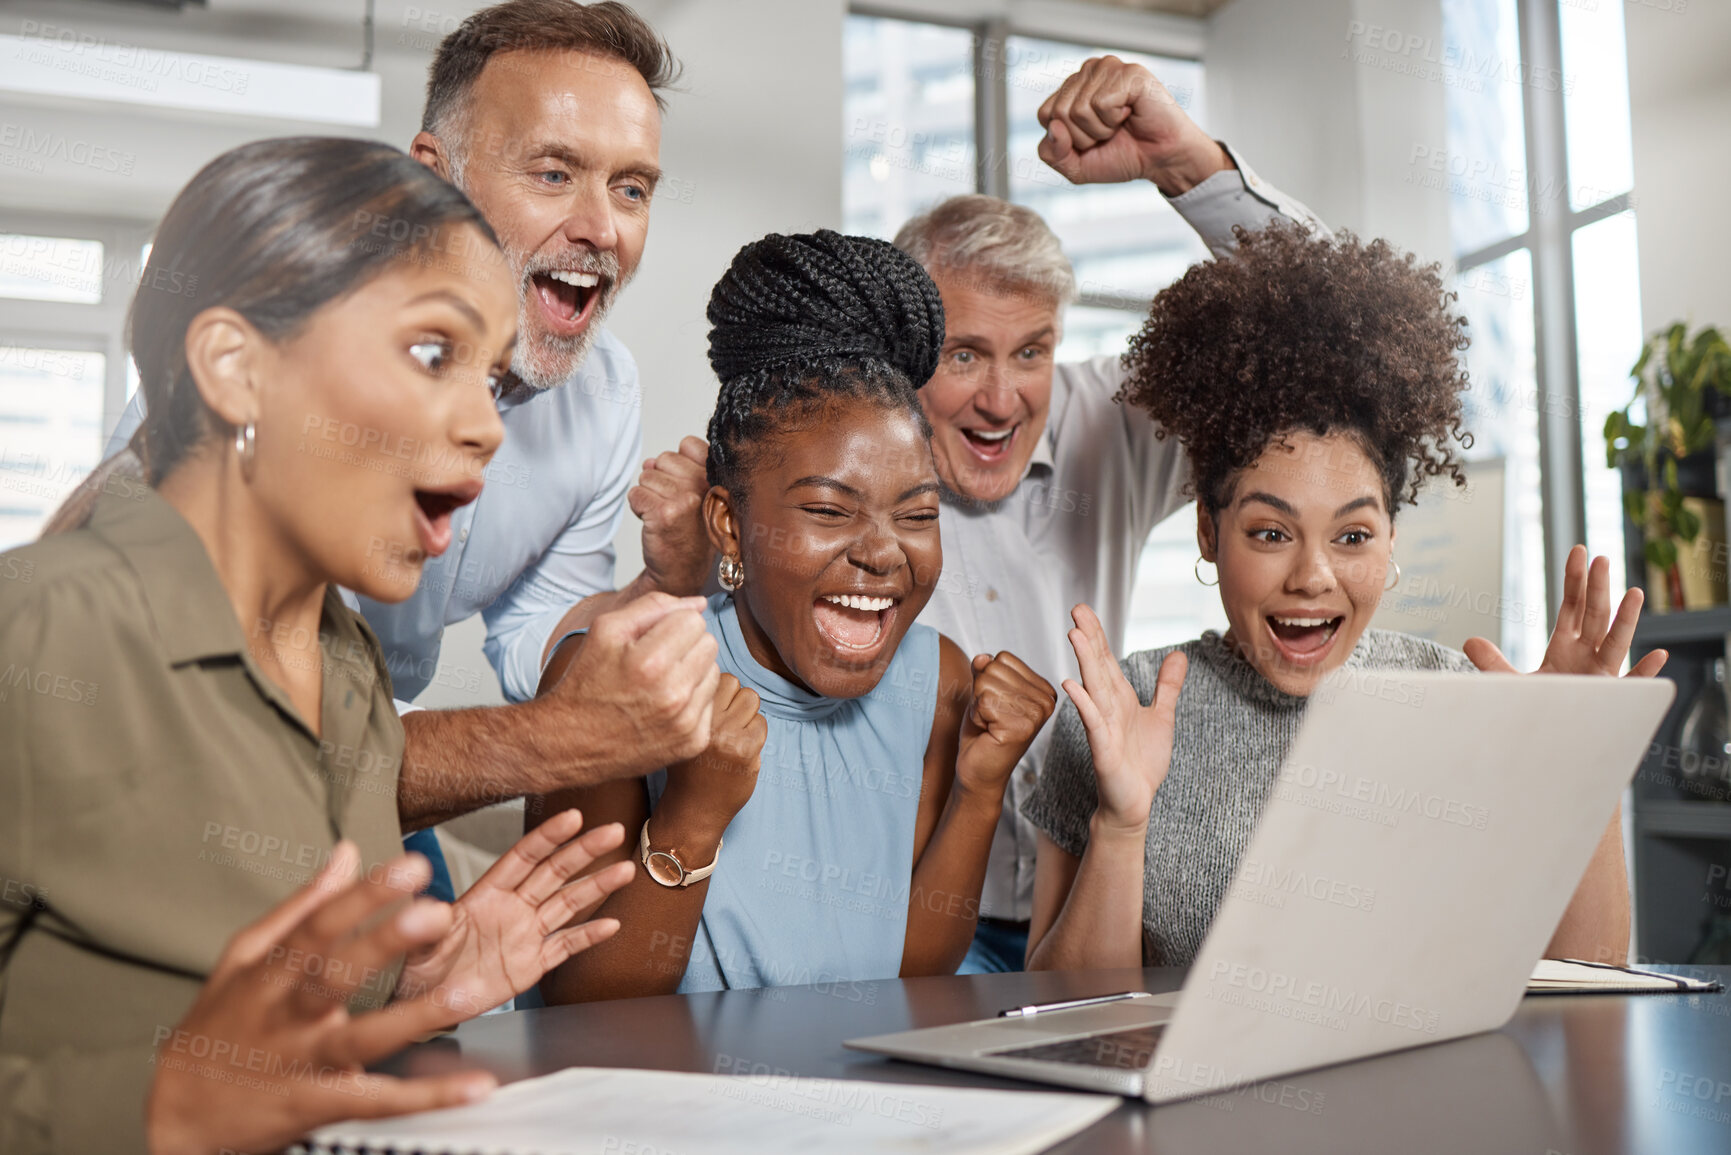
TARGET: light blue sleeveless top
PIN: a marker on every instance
(814, 873)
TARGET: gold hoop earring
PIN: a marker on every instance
(731, 574)
(246, 448)
(1389, 585)
(1197, 570)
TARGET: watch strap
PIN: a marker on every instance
(687, 876)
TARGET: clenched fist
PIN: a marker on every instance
(1113, 121)
(668, 498)
(640, 687)
(706, 791)
(1010, 704)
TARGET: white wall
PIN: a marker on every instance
(755, 144)
(1680, 115)
(1287, 86)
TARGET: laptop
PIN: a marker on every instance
(1413, 858)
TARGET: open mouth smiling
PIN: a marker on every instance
(568, 298)
(1303, 639)
(855, 624)
(990, 445)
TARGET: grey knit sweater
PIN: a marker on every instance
(1233, 730)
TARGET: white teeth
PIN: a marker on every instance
(857, 602)
(580, 280)
(988, 435)
(1303, 623)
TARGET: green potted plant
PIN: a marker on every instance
(1665, 434)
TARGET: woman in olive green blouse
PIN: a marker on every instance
(196, 734)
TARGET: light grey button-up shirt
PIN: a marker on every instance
(1073, 530)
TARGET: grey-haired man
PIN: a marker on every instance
(1052, 487)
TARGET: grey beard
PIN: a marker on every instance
(549, 362)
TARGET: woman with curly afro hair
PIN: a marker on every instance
(1316, 386)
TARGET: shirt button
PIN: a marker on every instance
(464, 535)
(991, 594)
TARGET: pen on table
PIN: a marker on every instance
(1042, 1008)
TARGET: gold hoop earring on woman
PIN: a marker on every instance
(1197, 570)
(246, 448)
(1394, 566)
(731, 574)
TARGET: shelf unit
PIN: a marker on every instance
(1682, 844)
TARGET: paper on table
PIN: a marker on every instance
(604, 1111)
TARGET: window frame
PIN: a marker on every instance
(993, 23)
(74, 326)
(1549, 240)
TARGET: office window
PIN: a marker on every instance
(908, 116)
(1125, 241)
(1608, 325)
(65, 284)
(1485, 168)
(50, 432)
(50, 269)
(1544, 237)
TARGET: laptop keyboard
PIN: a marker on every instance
(1130, 1050)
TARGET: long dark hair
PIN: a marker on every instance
(274, 230)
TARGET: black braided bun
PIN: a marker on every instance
(799, 322)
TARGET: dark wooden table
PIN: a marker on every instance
(1578, 1075)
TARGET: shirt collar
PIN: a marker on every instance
(192, 619)
(179, 582)
(1043, 459)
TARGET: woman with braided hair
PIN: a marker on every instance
(838, 826)
(1314, 385)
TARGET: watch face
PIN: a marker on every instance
(664, 868)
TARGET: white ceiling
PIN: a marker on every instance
(1176, 7)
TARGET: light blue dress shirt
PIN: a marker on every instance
(540, 538)
(813, 878)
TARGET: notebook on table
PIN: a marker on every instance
(605, 1111)
(1572, 977)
